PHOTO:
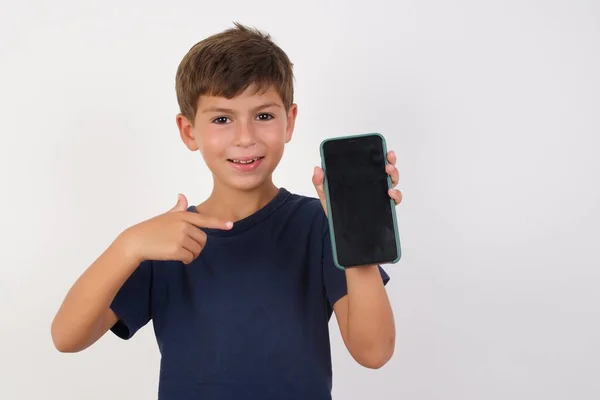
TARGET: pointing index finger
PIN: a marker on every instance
(204, 221)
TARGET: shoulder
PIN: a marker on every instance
(307, 207)
(298, 216)
(303, 202)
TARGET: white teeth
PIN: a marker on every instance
(245, 161)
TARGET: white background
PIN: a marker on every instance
(492, 108)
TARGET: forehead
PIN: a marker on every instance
(248, 99)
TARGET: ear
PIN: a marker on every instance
(186, 131)
(291, 122)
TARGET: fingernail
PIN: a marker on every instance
(229, 224)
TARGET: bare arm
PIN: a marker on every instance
(85, 314)
(365, 317)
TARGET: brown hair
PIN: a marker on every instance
(227, 63)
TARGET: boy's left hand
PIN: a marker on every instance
(319, 178)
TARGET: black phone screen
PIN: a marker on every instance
(359, 203)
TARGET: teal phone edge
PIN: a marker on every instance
(328, 202)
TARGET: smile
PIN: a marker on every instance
(245, 161)
(245, 164)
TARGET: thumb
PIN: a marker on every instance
(318, 179)
(182, 204)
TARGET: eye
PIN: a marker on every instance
(265, 117)
(220, 120)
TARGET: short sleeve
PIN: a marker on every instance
(132, 302)
(333, 277)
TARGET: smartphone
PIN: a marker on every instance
(361, 213)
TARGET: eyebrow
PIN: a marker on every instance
(230, 111)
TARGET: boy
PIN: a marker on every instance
(241, 287)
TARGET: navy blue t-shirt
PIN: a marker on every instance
(249, 318)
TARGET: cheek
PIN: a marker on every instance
(276, 135)
(211, 145)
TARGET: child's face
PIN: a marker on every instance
(241, 139)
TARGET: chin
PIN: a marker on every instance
(249, 180)
(247, 184)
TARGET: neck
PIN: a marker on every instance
(232, 204)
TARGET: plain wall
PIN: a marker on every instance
(493, 109)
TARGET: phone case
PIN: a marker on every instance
(326, 187)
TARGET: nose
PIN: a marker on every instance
(245, 135)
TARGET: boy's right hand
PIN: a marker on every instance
(174, 235)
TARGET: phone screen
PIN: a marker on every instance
(359, 204)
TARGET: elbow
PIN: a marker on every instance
(376, 356)
(374, 361)
(61, 342)
(64, 347)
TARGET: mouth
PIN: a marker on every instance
(246, 164)
(245, 160)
